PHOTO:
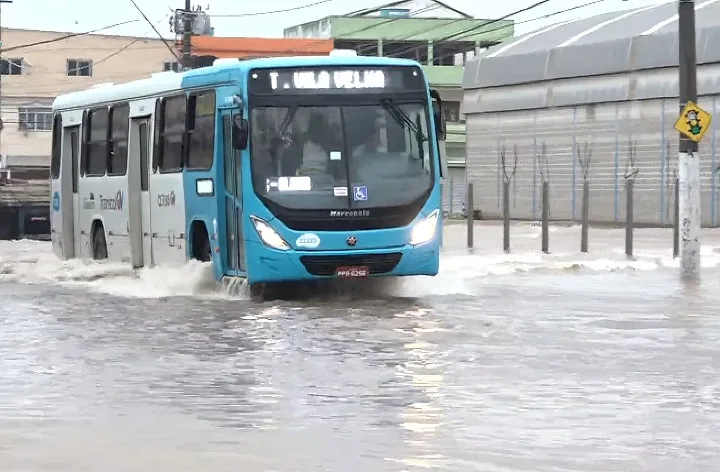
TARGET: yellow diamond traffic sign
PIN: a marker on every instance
(693, 122)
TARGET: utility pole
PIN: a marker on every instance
(187, 36)
(688, 159)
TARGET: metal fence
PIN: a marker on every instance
(454, 188)
(607, 143)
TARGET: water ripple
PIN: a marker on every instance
(554, 372)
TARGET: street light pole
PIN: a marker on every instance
(688, 158)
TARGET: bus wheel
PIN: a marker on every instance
(257, 292)
(99, 244)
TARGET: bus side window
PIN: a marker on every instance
(172, 134)
(143, 133)
(56, 147)
(201, 130)
(74, 157)
(228, 153)
(157, 141)
(118, 144)
(97, 143)
(85, 143)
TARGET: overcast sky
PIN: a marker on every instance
(84, 15)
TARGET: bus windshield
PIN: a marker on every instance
(332, 157)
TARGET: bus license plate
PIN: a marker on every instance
(352, 272)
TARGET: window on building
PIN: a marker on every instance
(118, 144)
(35, 118)
(79, 67)
(201, 128)
(11, 66)
(170, 136)
(171, 65)
(95, 155)
(451, 111)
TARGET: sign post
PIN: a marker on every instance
(691, 125)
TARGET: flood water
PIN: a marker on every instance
(520, 362)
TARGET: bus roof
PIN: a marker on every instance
(222, 72)
(307, 61)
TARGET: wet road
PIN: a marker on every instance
(502, 363)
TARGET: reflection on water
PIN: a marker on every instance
(423, 369)
(613, 372)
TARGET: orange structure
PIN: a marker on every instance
(247, 48)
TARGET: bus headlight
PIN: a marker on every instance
(268, 235)
(424, 231)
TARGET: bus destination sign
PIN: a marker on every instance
(323, 79)
(303, 80)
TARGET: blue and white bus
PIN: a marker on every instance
(275, 170)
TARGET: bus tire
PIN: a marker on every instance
(201, 249)
(257, 292)
(267, 292)
(99, 243)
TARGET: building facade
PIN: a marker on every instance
(53, 64)
(595, 97)
(37, 66)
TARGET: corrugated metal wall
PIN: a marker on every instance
(614, 100)
(560, 138)
(454, 191)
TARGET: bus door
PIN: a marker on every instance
(139, 196)
(73, 135)
(235, 252)
(65, 196)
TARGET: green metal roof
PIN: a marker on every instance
(415, 29)
(444, 76)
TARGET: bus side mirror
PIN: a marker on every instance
(440, 125)
(240, 132)
(438, 115)
(440, 130)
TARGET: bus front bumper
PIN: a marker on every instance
(267, 265)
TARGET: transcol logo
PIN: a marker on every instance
(56, 201)
(112, 204)
(166, 199)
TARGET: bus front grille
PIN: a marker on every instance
(324, 266)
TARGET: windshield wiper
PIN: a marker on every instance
(403, 119)
(279, 137)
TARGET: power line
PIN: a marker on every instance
(155, 29)
(118, 51)
(476, 28)
(391, 20)
(272, 12)
(46, 88)
(64, 37)
(501, 28)
(363, 29)
(376, 25)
